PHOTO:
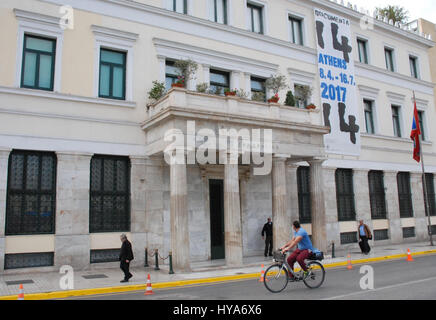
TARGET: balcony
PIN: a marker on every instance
(295, 130)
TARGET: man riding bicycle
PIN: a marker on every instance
(304, 248)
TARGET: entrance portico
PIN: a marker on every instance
(296, 135)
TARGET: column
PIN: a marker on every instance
(361, 196)
(206, 73)
(137, 204)
(392, 206)
(319, 228)
(179, 218)
(162, 68)
(421, 220)
(232, 215)
(72, 241)
(331, 208)
(281, 220)
(234, 81)
(4, 158)
(247, 85)
(292, 189)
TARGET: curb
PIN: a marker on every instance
(181, 283)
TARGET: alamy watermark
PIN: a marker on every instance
(67, 18)
(367, 281)
(206, 146)
(66, 282)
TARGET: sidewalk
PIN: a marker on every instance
(108, 280)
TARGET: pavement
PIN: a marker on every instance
(47, 285)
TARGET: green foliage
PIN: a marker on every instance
(202, 87)
(276, 83)
(258, 96)
(187, 68)
(157, 91)
(394, 13)
(290, 100)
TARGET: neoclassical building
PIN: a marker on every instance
(84, 153)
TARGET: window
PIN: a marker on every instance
(345, 195)
(104, 255)
(112, 74)
(301, 95)
(110, 194)
(409, 232)
(219, 81)
(377, 195)
(29, 260)
(171, 74)
(304, 201)
(31, 194)
(362, 46)
(38, 63)
(218, 11)
(405, 195)
(413, 61)
(421, 124)
(389, 57)
(255, 17)
(348, 237)
(429, 179)
(396, 121)
(180, 6)
(296, 25)
(381, 235)
(369, 116)
(258, 87)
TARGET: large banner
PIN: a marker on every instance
(338, 86)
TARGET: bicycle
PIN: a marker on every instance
(277, 276)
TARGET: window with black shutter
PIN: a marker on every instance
(377, 194)
(345, 195)
(429, 180)
(405, 195)
(31, 193)
(110, 194)
(304, 201)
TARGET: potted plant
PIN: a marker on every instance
(186, 69)
(290, 99)
(202, 87)
(258, 96)
(241, 93)
(311, 106)
(229, 92)
(180, 82)
(276, 83)
(157, 91)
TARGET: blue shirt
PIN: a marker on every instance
(362, 230)
(305, 243)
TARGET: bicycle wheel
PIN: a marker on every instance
(316, 275)
(276, 278)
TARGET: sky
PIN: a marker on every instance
(417, 9)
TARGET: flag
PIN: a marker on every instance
(416, 131)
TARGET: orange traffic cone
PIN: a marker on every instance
(409, 255)
(262, 274)
(350, 266)
(149, 290)
(21, 293)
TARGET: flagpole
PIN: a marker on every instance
(426, 202)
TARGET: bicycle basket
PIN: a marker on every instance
(279, 256)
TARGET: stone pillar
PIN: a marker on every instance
(319, 229)
(421, 220)
(361, 196)
(72, 241)
(331, 207)
(292, 189)
(280, 218)
(137, 204)
(247, 85)
(235, 79)
(206, 73)
(232, 215)
(162, 68)
(154, 203)
(179, 219)
(392, 206)
(4, 158)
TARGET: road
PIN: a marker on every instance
(393, 280)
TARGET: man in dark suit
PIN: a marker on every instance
(268, 232)
(126, 256)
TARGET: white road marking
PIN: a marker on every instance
(380, 289)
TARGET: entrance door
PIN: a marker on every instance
(216, 197)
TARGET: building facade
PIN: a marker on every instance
(83, 151)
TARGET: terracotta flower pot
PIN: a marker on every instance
(274, 100)
(311, 107)
(230, 93)
(178, 85)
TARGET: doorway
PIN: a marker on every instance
(216, 200)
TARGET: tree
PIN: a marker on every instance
(394, 13)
